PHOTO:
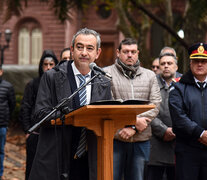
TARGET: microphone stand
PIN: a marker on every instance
(61, 105)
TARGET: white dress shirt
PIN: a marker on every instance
(88, 87)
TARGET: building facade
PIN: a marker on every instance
(38, 28)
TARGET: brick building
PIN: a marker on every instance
(38, 28)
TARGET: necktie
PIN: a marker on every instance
(82, 92)
(81, 149)
(201, 84)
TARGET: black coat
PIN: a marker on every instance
(28, 104)
(55, 85)
(30, 94)
(188, 109)
(7, 102)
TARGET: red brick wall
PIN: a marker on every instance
(53, 30)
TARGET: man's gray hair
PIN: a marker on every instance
(169, 54)
(163, 50)
(86, 31)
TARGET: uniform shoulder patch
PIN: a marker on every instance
(176, 79)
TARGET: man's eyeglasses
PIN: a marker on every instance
(153, 67)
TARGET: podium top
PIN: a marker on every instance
(110, 110)
(92, 113)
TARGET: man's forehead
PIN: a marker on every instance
(129, 46)
(168, 51)
(155, 61)
(48, 60)
(196, 60)
(86, 39)
(167, 59)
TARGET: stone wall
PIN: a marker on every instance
(19, 76)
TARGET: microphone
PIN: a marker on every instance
(93, 66)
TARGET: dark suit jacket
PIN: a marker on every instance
(55, 85)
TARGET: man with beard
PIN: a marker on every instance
(131, 81)
(170, 50)
(162, 142)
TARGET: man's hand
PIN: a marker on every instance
(203, 138)
(126, 133)
(142, 123)
(169, 135)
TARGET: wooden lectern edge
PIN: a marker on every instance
(106, 107)
(80, 119)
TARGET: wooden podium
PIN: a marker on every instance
(105, 120)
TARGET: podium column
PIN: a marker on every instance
(105, 151)
(105, 120)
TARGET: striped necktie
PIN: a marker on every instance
(81, 149)
(82, 92)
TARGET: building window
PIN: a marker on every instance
(23, 46)
(36, 45)
(29, 46)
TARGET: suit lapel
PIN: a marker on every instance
(71, 78)
(65, 85)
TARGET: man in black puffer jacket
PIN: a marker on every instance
(47, 62)
(7, 105)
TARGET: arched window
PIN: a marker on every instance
(36, 45)
(24, 46)
(29, 42)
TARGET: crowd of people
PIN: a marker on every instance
(168, 142)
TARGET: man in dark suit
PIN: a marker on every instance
(57, 156)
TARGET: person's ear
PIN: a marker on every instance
(98, 53)
(117, 53)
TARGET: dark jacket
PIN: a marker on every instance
(30, 94)
(55, 85)
(188, 109)
(162, 152)
(7, 102)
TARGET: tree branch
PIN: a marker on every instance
(160, 22)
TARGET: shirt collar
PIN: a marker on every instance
(76, 71)
(165, 82)
(196, 80)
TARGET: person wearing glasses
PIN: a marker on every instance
(155, 66)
